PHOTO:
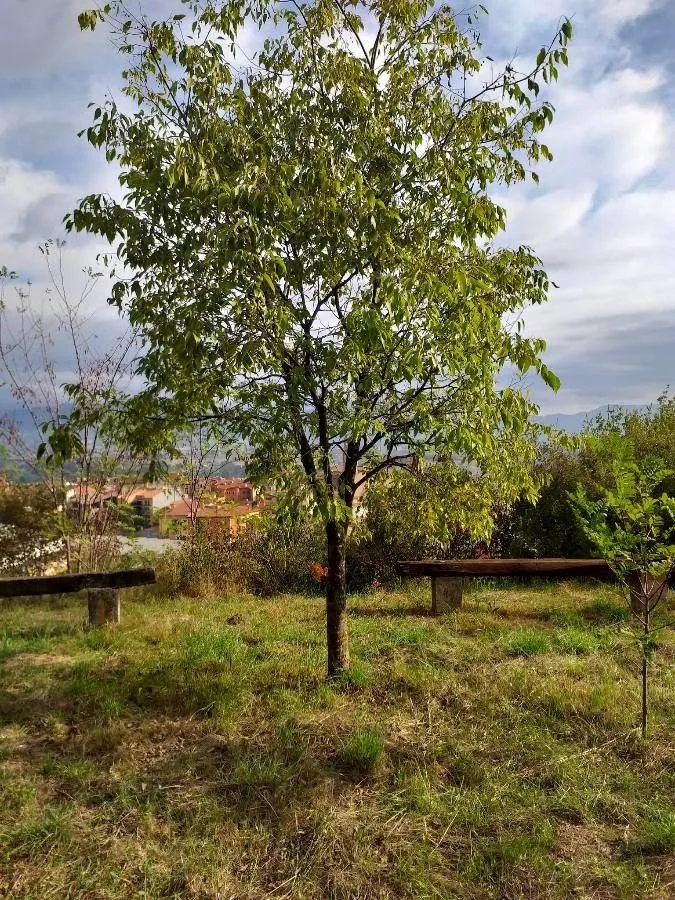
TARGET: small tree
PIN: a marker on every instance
(197, 461)
(27, 544)
(308, 237)
(633, 528)
(44, 340)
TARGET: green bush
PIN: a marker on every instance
(276, 556)
(549, 527)
(273, 557)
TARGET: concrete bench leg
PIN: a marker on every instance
(104, 607)
(446, 595)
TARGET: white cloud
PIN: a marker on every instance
(613, 132)
(620, 11)
(515, 21)
(21, 185)
(603, 218)
(41, 37)
(616, 261)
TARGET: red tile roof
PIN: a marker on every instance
(181, 510)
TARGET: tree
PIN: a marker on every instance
(27, 544)
(307, 242)
(199, 446)
(633, 527)
(43, 339)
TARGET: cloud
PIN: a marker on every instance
(21, 186)
(514, 23)
(633, 364)
(602, 218)
(613, 132)
(41, 38)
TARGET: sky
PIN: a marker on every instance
(602, 218)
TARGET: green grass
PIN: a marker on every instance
(361, 751)
(197, 751)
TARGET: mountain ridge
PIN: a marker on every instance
(573, 423)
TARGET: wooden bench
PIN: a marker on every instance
(447, 575)
(103, 588)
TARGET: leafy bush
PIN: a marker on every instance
(442, 511)
(199, 568)
(273, 557)
(549, 527)
(280, 555)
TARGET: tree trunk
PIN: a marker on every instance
(646, 624)
(644, 697)
(336, 600)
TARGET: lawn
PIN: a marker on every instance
(196, 751)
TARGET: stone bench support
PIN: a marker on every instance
(104, 607)
(446, 595)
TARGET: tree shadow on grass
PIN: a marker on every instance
(176, 764)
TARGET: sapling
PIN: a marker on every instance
(633, 527)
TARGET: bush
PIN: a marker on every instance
(549, 527)
(199, 568)
(279, 556)
(272, 557)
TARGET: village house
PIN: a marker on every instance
(145, 501)
(234, 489)
(208, 518)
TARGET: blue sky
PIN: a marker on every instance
(602, 218)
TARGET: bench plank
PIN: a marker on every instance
(68, 584)
(505, 568)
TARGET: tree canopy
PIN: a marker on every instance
(306, 240)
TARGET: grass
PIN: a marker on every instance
(361, 751)
(196, 750)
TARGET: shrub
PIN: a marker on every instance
(280, 556)
(28, 542)
(271, 558)
(549, 527)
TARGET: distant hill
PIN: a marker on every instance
(573, 423)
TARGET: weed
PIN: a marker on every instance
(526, 642)
(361, 751)
(358, 676)
(578, 641)
(607, 609)
(655, 834)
